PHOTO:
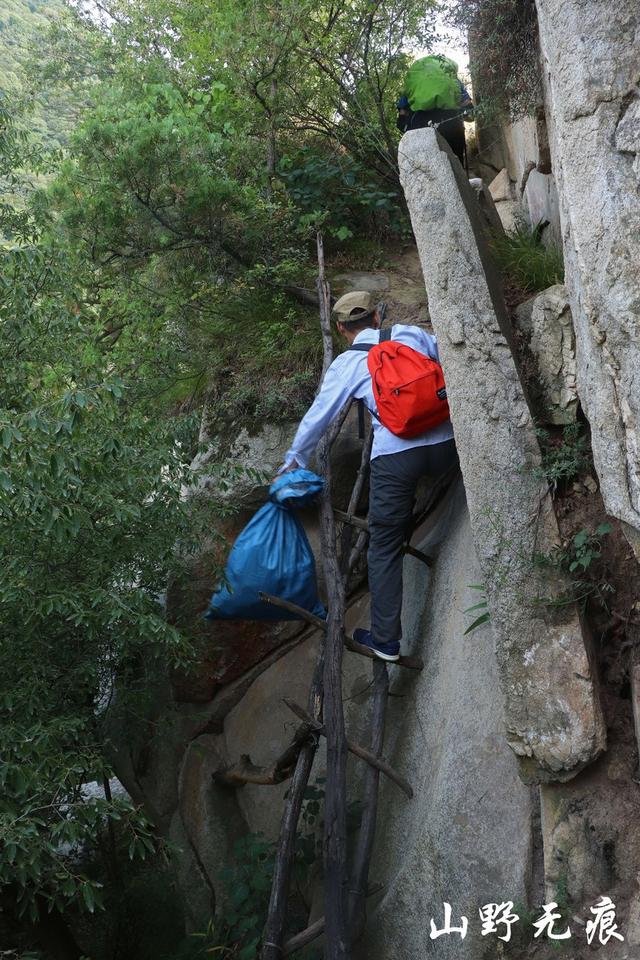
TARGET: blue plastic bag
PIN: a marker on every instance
(272, 555)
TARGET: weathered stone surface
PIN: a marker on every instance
(488, 207)
(541, 205)
(198, 895)
(590, 61)
(207, 824)
(511, 215)
(545, 322)
(590, 847)
(552, 713)
(501, 187)
(257, 457)
(263, 726)
(466, 836)
(634, 680)
(229, 647)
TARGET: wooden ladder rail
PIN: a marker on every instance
(273, 933)
(327, 677)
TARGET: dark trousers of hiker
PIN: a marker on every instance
(451, 127)
(394, 479)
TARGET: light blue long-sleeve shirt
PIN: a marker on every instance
(347, 377)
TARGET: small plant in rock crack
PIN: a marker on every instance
(586, 547)
(577, 559)
(482, 604)
(562, 459)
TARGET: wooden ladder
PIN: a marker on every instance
(345, 887)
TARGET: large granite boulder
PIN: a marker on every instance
(590, 65)
(466, 836)
(552, 712)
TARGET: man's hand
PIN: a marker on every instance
(292, 466)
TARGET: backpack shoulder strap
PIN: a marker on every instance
(385, 334)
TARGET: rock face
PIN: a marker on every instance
(590, 62)
(552, 713)
(501, 187)
(545, 323)
(590, 848)
(466, 837)
(525, 184)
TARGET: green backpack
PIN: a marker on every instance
(432, 83)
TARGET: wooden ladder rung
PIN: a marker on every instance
(410, 663)
(363, 524)
(378, 762)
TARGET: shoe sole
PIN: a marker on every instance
(391, 657)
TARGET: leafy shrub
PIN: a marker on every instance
(259, 357)
(338, 192)
(247, 884)
(526, 261)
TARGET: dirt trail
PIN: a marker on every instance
(399, 283)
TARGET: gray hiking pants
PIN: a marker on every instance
(394, 479)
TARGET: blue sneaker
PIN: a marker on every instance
(385, 651)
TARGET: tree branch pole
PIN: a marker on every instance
(324, 302)
(335, 821)
(373, 759)
(356, 493)
(276, 917)
(363, 524)
(366, 834)
(316, 929)
(243, 772)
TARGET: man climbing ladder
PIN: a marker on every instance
(397, 462)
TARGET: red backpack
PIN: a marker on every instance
(408, 387)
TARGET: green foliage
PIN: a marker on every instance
(336, 192)
(308, 845)
(23, 24)
(247, 884)
(232, 351)
(483, 605)
(585, 548)
(526, 261)
(504, 40)
(578, 560)
(185, 241)
(150, 274)
(563, 458)
(91, 512)
(247, 888)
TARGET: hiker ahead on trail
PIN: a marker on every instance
(434, 94)
(401, 366)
